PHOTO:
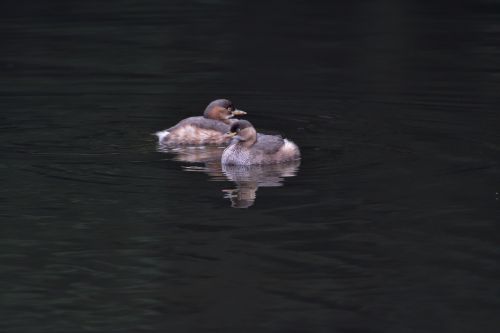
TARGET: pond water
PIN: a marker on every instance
(389, 223)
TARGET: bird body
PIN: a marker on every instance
(249, 147)
(208, 129)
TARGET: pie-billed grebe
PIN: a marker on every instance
(249, 148)
(208, 129)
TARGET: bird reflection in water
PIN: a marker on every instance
(248, 178)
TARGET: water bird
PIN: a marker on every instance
(249, 147)
(208, 129)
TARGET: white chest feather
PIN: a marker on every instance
(234, 154)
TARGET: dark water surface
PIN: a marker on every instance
(389, 224)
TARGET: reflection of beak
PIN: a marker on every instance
(230, 134)
(238, 113)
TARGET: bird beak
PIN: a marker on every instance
(238, 113)
(230, 134)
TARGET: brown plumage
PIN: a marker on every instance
(208, 129)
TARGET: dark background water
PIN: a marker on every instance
(389, 225)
